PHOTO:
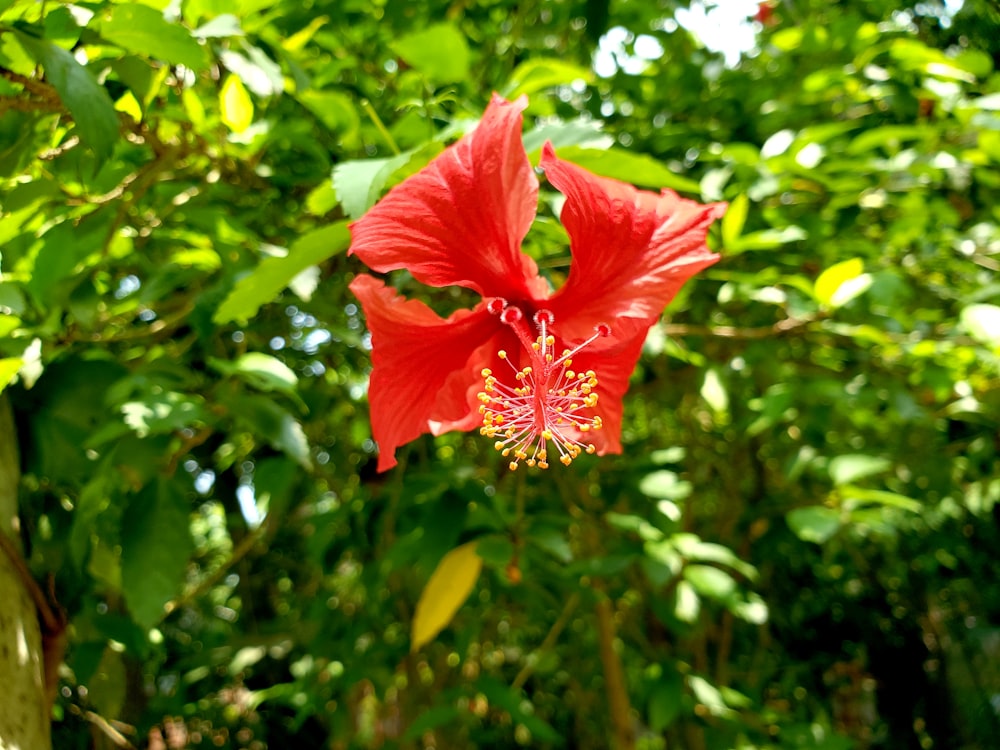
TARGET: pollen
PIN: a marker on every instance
(549, 402)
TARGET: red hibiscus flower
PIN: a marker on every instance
(532, 368)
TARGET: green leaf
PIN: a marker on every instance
(665, 485)
(156, 545)
(735, 218)
(665, 700)
(633, 168)
(359, 182)
(448, 587)
(265, 372)
(842, 282)
(273, 274)
(89, 103)
(766, 239)
(107, 687)
(880, 497)
(851, 467)
(432, 718)
(322, 199)
(815, 523)
(709, 696)
(164, 412)
(540, 73)
(143, 30)
(235, 104)
(273, 424)
(687, 605)
(693, 548)
(714, 393)
(710, 581)
(440, 52)
(332, 108)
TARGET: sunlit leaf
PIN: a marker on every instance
(8, 369)
(815, 523)
(709, 581)
(448, 587)
(273, 274)
(440, 52)
(982, 321)
(89, 103)
(235, 104)
(537, 74)
(854, 466)
(637, 169)
(842, 282)
(143, 30)
(687, 605)
(735, 218)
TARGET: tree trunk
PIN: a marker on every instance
(24, 711)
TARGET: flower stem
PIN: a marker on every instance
(379, 125)
(614, 676)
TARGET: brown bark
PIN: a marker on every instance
(24, 718)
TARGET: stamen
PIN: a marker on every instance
(546, 402)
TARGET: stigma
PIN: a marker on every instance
(545, 401)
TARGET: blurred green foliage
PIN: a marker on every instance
(798, 547)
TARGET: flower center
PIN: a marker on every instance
(545, 402)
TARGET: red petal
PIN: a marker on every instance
(415, 353)
(632, 249)
(461, 219)
(613, 367)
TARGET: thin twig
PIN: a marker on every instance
(239, 552)
(550, 640)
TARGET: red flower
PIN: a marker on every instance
(460, 221)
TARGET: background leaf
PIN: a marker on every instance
(448, 587)
(156, 546)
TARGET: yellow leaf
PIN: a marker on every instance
(735, 218)
(449, 586)
(302, 37)
(8, 369)
(841, 283)
(235, 104)
(130, 106)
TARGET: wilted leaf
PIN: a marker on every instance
(448, 587)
